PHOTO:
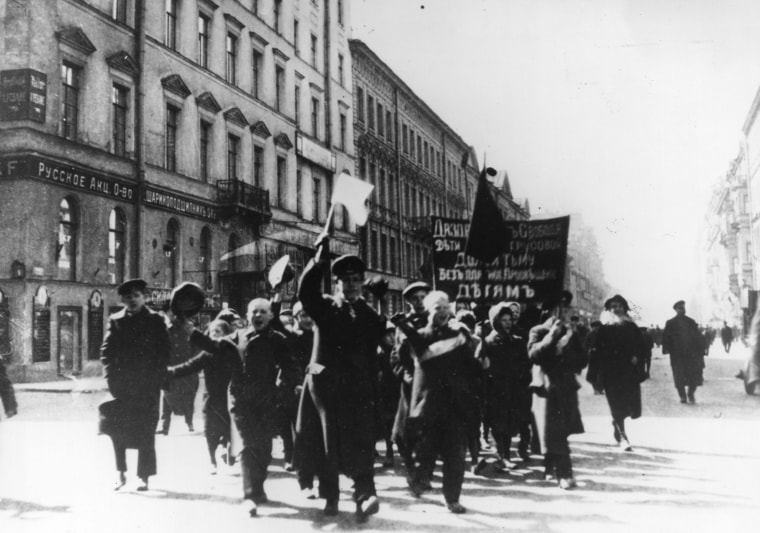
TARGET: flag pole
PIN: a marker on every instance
(483, 265)
(326, 231)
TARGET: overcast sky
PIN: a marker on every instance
(627, 112)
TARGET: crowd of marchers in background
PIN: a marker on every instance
(333, 376)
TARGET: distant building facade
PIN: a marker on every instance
(180, 140)
(419, 167)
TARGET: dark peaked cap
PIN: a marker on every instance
(416, 286)
(679, 303)
(130, 285)
(348, 264)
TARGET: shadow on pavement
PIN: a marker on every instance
(21, 508)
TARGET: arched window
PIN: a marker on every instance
(234, 244)
(171, 251)
(117, 229)
(66, 248)
(205, 257)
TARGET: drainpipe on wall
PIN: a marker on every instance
(139, 137)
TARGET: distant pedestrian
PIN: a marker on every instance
(179, 395)
(7, 394)
(135, 353)
(558, 354)
(617, 359)
(727, 336)
(683, 341)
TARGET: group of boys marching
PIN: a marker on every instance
(344, 376)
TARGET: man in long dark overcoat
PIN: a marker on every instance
(135, 353)
(683, 341)
(335, 431)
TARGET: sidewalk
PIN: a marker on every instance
(71, 384)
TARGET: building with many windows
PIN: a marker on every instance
(173, 140)
(419, 167)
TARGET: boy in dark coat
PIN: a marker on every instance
(260, 355)
(443, 410)
(135, 353)
(179, 396)
(336, 416)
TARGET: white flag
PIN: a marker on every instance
(352, 193)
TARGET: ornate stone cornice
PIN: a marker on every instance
(260, 129)
(279, 54)
(207, 101)
(174, 84)
(234, 22)
(283, 141)
(77, 39)
(123, 62)
(259, 39)
(235, 116)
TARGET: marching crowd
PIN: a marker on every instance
(434, 382)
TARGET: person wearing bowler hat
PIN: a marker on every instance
(685, 344)
(134, 353)
(557, 353)
(336, 431)
(617, 355)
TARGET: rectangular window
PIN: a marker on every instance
(255, 7)
(314, 117)
(408, 247)
(256, 82)
(279, 80)
(383, 252)
(120, 11)
(205, 139)
(119, 100)
(392, 264)
(233, 156)
(258, 165)
(70, 100)
(411, 144)
(341, 78)
(404, 139)
(343, 131)
(315, 203)
(296, 48)
(299, 193)
(389, 126)
(419, 149)
(360, 104)
(170, 137)
(363, 168)
(203, 23)
(370, 112)
(373, 249)
(170, 24)
(391, 191)
(297, 104)
(381, 187)
(313, 50)
(380, 123)
(277, 7)
(425, 151)
(231, 70)
(340, 12)
(282, 182)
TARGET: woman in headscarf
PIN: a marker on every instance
(617, 359)
(507, 379)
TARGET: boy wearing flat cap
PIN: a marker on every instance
(336, 417)
(135, 353)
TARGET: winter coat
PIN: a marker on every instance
(683, 341)
(134, 354)
(555, 386)
(617, 359)
(336, 425)
(181, 391)
(507, 376)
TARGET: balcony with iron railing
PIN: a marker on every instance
(383, 214)
(421, 226)
(237, 198)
